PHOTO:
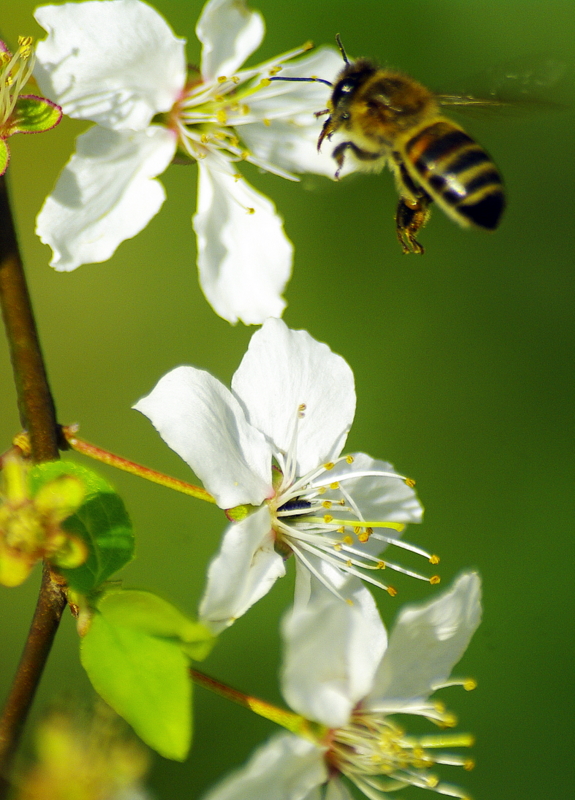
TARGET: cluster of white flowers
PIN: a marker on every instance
(269, 449)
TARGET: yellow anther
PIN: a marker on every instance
(469, 764)
(265, 82)
(221, 117)
(348, 563)
(337, 547)
(329, 465)
(307, 46)
(234, 141)
(449, 721)
(432, 781)
(347, 540)
(380, 565)
(349, 602)
(434, 580)
(235, 80)
(327, 504)
(434, 560)
(327, 518)
(221, 79)
(250, 210)
(364, 537)
(341, 530)
(410, 482)
(266, 122)
(470, 684)
(357, 529)
(392, 592)
(244, 155)
(245, 109)
(334, 485)
(204, 138)
(300, 410)
(341, 502)
(276, 69)
(235, 106)
(219, 98)
(349, 459)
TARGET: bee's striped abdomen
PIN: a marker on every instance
(458, 173)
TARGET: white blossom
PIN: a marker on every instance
(344, 675)
(269, 452)
(118, 63)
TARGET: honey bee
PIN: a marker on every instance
(388, 118)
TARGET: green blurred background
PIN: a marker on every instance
(463, 362)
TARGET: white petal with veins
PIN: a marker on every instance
(116, 63)
(105, 194)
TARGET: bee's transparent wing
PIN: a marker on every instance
(529, 83)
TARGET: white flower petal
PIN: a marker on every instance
(229, 32)
(284, 369)
(332, 649)
(285, 768)
(289, 145)
(105, 194)
(244, 570)
(244, 256)
(426, 642)
(116, 63)
(202, 421)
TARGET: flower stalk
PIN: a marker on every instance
(97, 453)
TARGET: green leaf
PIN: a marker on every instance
(143, 675)
(151, 614)
(101, 521)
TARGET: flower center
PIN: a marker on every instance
(377, 756)
(319, 514)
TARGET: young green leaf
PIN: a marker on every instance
(134, 658)
(102, 522)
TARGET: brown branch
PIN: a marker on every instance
(51, 604)
(37, 412)
(38, 416)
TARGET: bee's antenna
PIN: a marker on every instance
(314, 80)
(341, 48)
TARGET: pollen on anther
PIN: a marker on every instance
(348, 540)
(221, 117)
(237, 176)
(236, 79)
(250, 210)
(468, 764)
(266, 122)
(392, 591)
(245, 109)
(276, 69)
(329, 465)
(470, 684)
(265, 82)
(380, 565)
(364, 537)
(221, 78)
(434, 580)
(327, 518)
(307, 46)
(300, 409)
(410, 482)
(327, 504)
(434, 560)
(349, 459)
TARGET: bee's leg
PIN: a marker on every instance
(362, 155)
(413, 208)
(410, 217)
